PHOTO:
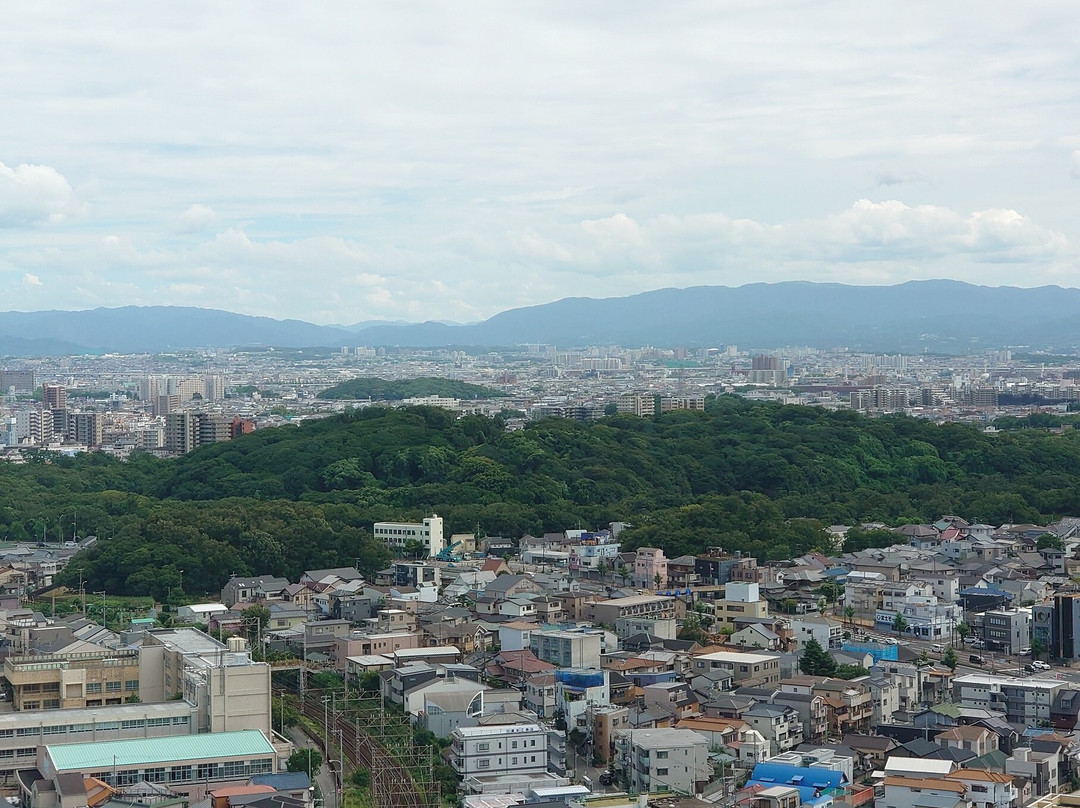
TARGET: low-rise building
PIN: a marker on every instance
(499, 749)
(749, 670)
(186, 765)
(664, 760)
(1025, 701)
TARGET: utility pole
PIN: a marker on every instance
(326, 725)
(341, 768)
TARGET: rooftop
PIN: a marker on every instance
(144, 751)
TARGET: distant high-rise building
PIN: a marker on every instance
(764, 362)
(215, 387)
(185, 388)
(185, 431)
(21, 381)
(85, 428)
(54, 396)
(241, 426)
(178, 437)
(164, 404)
(150, 387)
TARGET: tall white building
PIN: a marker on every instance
(396, 535)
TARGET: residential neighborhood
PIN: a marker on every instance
(936, 668)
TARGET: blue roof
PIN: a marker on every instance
(283, 781)
(991, 589)
(810, 782)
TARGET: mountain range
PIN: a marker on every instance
(936, 315)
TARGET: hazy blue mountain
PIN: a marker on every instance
(921, 315)
(136, 329)
(935, 315)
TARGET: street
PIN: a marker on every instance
(324, 778)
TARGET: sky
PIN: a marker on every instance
(341, 162)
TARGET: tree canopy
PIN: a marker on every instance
(757, 477)
(397, 389)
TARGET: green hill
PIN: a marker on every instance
(756, 477)
(395, 390)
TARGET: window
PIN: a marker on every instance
(483, 764)
(131, 684)
(483, 747)
(93, 687)
(661, 772)
(112, 687)
(26, 732)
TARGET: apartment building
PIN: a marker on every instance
(609, 612)
(567, 649)
(749, 670)
(650, 568)
(828, 633)
(428, 535)
(777, 723)
(499, 749)
(1025, 701)
(741, 599)
(660, 761)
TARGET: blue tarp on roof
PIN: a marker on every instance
(812, 783)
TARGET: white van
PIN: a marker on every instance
(937, 648)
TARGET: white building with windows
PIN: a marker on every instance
(664, 760)
(499, 749)
(396, 535)
(924, 616)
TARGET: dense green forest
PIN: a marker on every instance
(761, 478)
(395, 390)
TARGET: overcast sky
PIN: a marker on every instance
(345, 161)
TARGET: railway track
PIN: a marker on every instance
(392, 785)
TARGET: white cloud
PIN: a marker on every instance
(197, 218)
(31, 280)
(518, 153)
(31, 194)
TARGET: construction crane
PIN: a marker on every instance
(447, 553)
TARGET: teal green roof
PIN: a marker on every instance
(140, 752)
(994, 760)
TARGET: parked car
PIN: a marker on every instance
(977, 643)
(1029, 668)
(606, 779)
(975, 659)
(1025, 651)
(1039, 665)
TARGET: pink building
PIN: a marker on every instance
(382, 644)
(649, 563)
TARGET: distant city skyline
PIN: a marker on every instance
(338, 164)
